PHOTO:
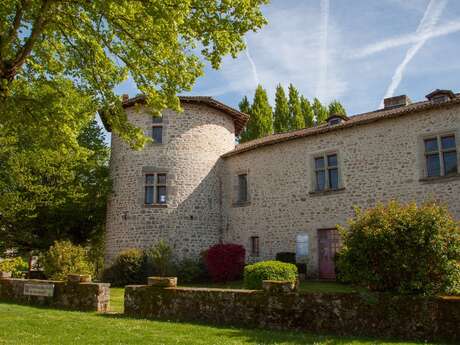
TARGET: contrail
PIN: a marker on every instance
(253, 65)
(430, 18)
(323, 51)
(406, 39)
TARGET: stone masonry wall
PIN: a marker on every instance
(377, 162)
(193, 142)
(67, 295)
(353, 314)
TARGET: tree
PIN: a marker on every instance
(245, 107)
(336, 108)
(281, 121)
(53, 167)
(321, 113)
(97, 44)
(307, 112)
(295, 112)
(260, 123)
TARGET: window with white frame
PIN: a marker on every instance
(441, 156)
(155, 189)
(326, 172)
(157, 129)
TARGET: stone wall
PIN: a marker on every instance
(377, 162)
(67, 295)
(353, 314)
(193, 142)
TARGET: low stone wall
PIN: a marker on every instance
(84, 296)
(373, 314)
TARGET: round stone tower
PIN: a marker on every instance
(171, 189)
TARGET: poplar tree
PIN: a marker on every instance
(281, 122)
(245, 107)
(295, 112)
(307, 112)
(260, 123)
(336, 108)
(321, 112)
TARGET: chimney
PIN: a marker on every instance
(125, 97)
(396, 102)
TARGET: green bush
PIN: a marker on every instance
(402, 248)
(160, 257)
(268, 270)
(128, 268)
(17, 266)
(64, 258)
(191, 271)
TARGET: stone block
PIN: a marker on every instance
(274, 286)
(162, 281)
(79, 278)
(5, 275)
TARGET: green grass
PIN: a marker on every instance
(305, 286)
(117, 298)
(31, 325)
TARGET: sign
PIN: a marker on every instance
(45, 290)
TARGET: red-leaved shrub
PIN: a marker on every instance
(225, 262)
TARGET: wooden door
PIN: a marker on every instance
(328, 245)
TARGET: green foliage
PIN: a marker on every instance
(54, 178)
(65, 258)
(268, 270)
(336, 108)
(320, 111)
(307, 112)
(260, 123)
(129, 268)
(17, 266)
(190, 271)
(97, 44)
(295, 111)
(403, 249)
(281, 121)
(160, 256)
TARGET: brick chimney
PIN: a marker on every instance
(396, 102)
(125, 97)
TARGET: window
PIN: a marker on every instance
(157, 129)
(441, 156)
(326, 172)
(243, 188)
(255, 246)
(155, 189)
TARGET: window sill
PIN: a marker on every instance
(437, 179)
(156, 205)
(241, 204)
(326, 192)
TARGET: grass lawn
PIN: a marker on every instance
(31, 325)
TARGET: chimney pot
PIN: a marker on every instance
(396, 102)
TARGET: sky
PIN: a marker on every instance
(355, 51)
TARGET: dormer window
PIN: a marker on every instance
(440, 96)
(336, 119)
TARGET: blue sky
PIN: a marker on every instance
(356, 51)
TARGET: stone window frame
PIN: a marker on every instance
(159, 124)
(422, 155)
(254, 246)
(236, 189)
(324, 154)
(146, 171)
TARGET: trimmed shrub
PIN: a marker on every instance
(128, 268)
(64, 258)
(225, 262)
(17, 266)
(402, 248)
(190, 271)
(268, 270)
(160, 257)
(286, 257)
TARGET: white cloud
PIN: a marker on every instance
(253, 65)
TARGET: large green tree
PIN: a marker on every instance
(320, 111)
(281, 121)
(307, 112)
(161, 44)
(260, 123)
(245, 107)
(336, 108)
(295, 112)
(53, 167)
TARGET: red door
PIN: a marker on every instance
(328, 245)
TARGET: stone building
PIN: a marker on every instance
(194, 187)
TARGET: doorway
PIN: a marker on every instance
(328, 246)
